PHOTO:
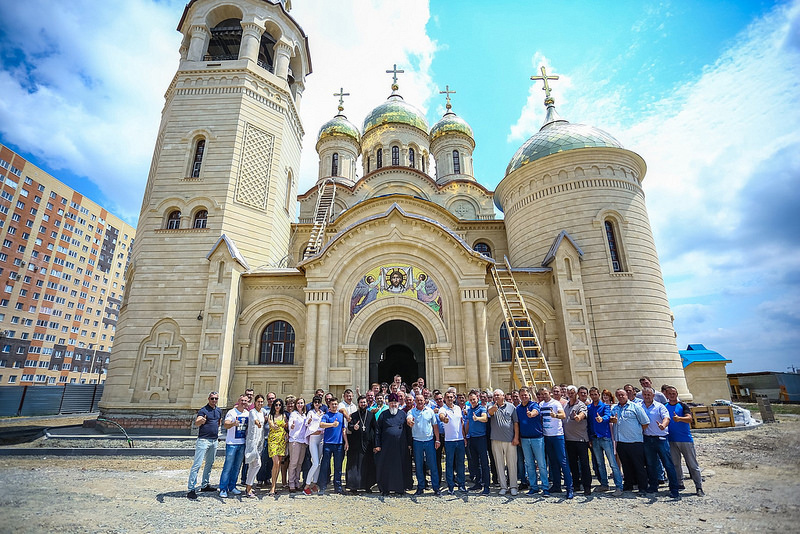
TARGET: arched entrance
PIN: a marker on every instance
(396, 347)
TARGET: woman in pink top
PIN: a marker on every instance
(298, 442)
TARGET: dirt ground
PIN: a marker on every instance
(751, 484)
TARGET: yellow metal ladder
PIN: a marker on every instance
(325, 195)
(528, 365)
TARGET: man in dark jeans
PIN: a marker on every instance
(335, 445)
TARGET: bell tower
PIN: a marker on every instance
(219, 200)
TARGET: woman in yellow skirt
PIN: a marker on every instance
(278, 437)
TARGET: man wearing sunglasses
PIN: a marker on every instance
(205, 449)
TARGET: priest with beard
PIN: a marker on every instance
(360, 458)
(392, 446)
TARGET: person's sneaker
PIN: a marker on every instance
(420, 491)
(486, 491)
(236, 491)
(223, 494)
(191, 495)
(600, 489)
(307, 490)
(514, 492)
(463, 489)
(570, 494)
(545, 493)
(503, 491)
(476, 487)
(451, 492)
(533, 491)
(675, 494)
(208, 487)
(700, 492)
(617, 493)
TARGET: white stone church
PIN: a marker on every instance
(388, 269)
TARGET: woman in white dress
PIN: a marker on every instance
(314, 434)
(254, 443)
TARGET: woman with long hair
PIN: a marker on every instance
(254, 443)
(314, 434)
(298, 442)
(278, 436)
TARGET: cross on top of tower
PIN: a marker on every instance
(341, 94)
(544, 77)
(447, 92)
(394, 72)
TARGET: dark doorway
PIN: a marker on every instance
(396, 347)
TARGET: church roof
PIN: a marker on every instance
(451, 123)
(395, 110)
(339, 125)
(551, 254)
(232, 250)
(697, 353)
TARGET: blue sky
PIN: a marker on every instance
(707, 92)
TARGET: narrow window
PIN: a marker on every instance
(456, 163)
(505, 344)
(395, 156)
(200, 219)
(197, 163)
(380, 158)
(422, 158)
(174, 220)
(368, 161)
(277, 344)
(612, 247)
(335, 164)
(411, 157)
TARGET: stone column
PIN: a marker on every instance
(283, 51)
(197, 45)
(310, 363)
(470, 347)
(251, 38)
(323, 343)
(484, 363)
(299, 87)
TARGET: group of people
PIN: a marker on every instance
(547, 442)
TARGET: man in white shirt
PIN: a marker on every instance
(454, 443)
(236, 424)
(347, 407)
(656, 445)
(552, 415)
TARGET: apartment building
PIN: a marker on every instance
(62, 277)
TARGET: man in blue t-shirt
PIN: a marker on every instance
(205, 449)
(426, 440)
(602, 442)
(476, 422)
(532, 441)
(680, 438)
(334, 446)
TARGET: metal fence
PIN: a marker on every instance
(49, 400)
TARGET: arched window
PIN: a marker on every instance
(616, 261)
(380, 158)
(456, 163)
(411, 157)
(506, 350)
(484, 249)
(335, 164)
(226, 37)
(277, 344)
(197, 162)
(174, 220)
(200, 219)
(395, 156)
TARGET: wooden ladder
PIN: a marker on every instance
(326, 192)
(528, 365)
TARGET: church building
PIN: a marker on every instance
(393, 264)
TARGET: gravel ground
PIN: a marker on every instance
(751, 484)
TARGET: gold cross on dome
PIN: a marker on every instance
(544, 77)
(341, 94)
(447, 92)
(394, 72)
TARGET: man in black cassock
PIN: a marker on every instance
(392, 445)
(360, 458)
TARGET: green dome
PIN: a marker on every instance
(557, 137)
(451, 123)
(395, 110)
(339, 125)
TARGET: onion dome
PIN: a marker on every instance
(558, 135)
(395, 110)
(338, 126)
(450, 123)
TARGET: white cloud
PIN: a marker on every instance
(88, 91)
